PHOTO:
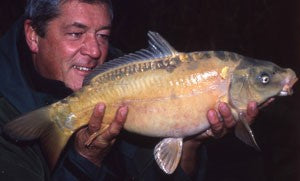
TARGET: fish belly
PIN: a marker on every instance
(174, 116)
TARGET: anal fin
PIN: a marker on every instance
(167, 154)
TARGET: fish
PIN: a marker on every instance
(168, 94)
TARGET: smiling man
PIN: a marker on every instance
(45, 57)
(74, 43)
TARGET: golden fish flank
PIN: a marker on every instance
(168, 94)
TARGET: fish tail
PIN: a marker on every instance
(38, 125)
(29, 126)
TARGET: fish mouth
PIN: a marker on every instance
(285, 93)
(287, 88)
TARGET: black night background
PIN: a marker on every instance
(262, 29)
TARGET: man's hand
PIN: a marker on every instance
(100, 146)
(218, 128)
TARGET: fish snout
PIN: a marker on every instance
(288, 83)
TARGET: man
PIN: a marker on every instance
(61, 42)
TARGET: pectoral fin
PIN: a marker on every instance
(167, 154)
(244, 132)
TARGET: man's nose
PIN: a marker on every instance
(91, 47)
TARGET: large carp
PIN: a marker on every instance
(168, 94)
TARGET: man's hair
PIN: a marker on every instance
(41, 12)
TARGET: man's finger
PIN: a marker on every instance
(116, 126)
(226, 115)
(252, 111)
(96, 118)
(215, 124)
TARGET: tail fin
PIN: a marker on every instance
(30, 126)
(38, 125)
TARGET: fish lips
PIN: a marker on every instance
(287, 88)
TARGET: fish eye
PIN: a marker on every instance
(264, 78)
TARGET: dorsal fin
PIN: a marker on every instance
(158, 48)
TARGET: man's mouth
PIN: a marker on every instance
(81, 68)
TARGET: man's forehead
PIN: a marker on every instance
(88, 2)
(78, 14)
(85, 2)
(84, 26)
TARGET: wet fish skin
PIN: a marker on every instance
(168, 94)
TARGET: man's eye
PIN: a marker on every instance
(103, 36)
(75, 34)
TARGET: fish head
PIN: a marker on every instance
(259, 81)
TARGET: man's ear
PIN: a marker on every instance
(31, 36)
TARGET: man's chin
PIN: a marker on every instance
(75, 84)
(74, 79)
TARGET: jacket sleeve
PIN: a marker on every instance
(140, 164)
(200, 168)
(19, 161)
(74, 167)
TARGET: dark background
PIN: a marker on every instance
(262, 29)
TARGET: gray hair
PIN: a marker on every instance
(41, 12)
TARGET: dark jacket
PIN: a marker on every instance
(23, 90)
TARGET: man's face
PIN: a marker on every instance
(75, 42)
